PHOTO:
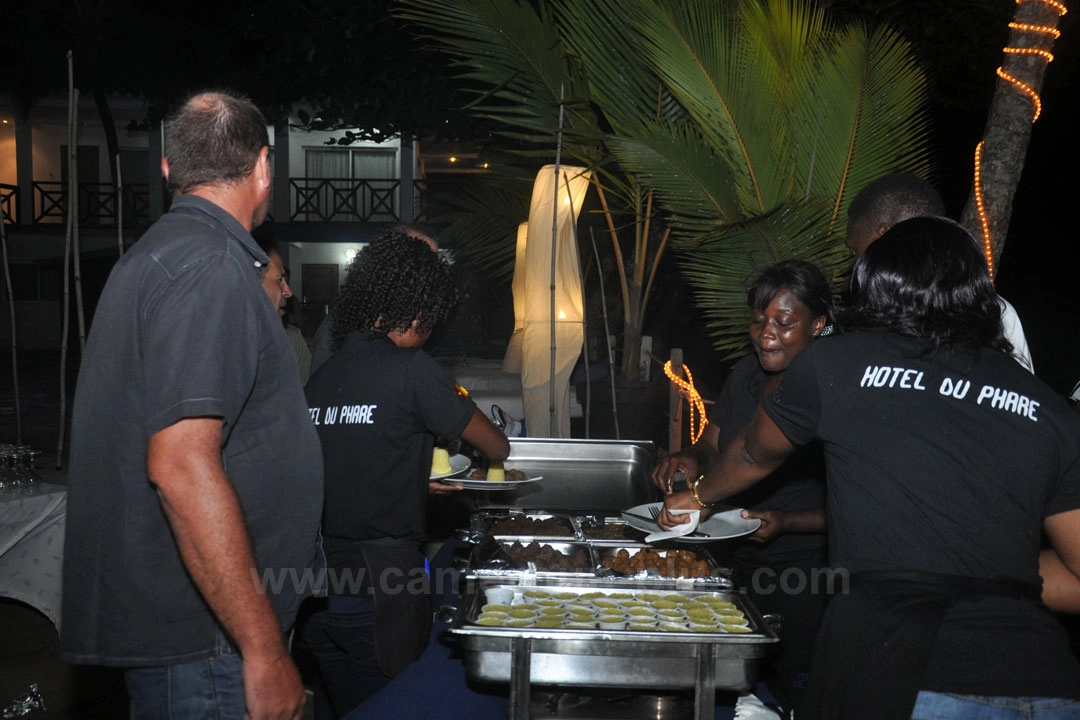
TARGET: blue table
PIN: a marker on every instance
(435, 686)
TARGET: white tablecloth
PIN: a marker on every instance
(32, 545)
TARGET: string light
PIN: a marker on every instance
(1026, 27)
(981, 205)
(1060, 7)
(693, 399)
(1036, 102)
(1045, 54)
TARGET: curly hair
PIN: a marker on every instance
(392, 282)
(802, 278)
(926, 278)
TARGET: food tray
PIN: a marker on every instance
(501, 557)
(601, 530)
(628, 658)
(531, 524)
(705, 570)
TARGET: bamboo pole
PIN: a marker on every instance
(119, 208)
(76, 251)
(11, 315)
(587, 405)
(675, 404)
(610, 359)
(554, 253)
(71, 209)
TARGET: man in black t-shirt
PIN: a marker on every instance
(945, 463)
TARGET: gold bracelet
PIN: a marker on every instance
(697, 497)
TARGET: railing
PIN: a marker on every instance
(313, 199)
(345, 200)
(9, 203)
(97, 203)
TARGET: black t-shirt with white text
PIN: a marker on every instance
(377, 409)
(944, 462)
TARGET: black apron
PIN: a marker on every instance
(875, 641)
(401, 591)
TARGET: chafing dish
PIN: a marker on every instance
(706, 570)
(583, 475)
(574, 655)
(523, 556)
(532, 524)
(600, 529)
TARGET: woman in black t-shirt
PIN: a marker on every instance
(791, 306)
(378, 404)
(946, 461)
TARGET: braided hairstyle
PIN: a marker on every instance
(392, 282)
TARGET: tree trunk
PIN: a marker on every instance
(1008, 126)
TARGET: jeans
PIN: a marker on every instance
(946, 706)
(212, 687)
(342, 639)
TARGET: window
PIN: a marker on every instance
(348, 184)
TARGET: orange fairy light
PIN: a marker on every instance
(693, 399)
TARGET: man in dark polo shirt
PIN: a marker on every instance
(196, 474)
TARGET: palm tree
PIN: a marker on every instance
(742, 128)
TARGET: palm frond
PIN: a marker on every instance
(512, 56)
(721, 268)
(864, 115)
(628, 92)
(691, 181)
(482, 217)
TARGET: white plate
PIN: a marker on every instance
(458, 465)
(723, 525)
(492, 485)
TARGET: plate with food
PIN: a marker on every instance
(723, 525)
(496, 477)
(444, 466)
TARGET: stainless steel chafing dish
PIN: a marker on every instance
(584, 475)
(496, 558)
(593, 481)
(532, 524)
(644, 659)
(600, 529)
(715, 576)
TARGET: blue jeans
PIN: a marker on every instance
(212, 687)
(342, 639)
(946, 706)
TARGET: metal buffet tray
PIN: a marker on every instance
(486, 523)
(586, 476)
(628, 659)
(599, 529)
(491, 558)
(717, 576)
